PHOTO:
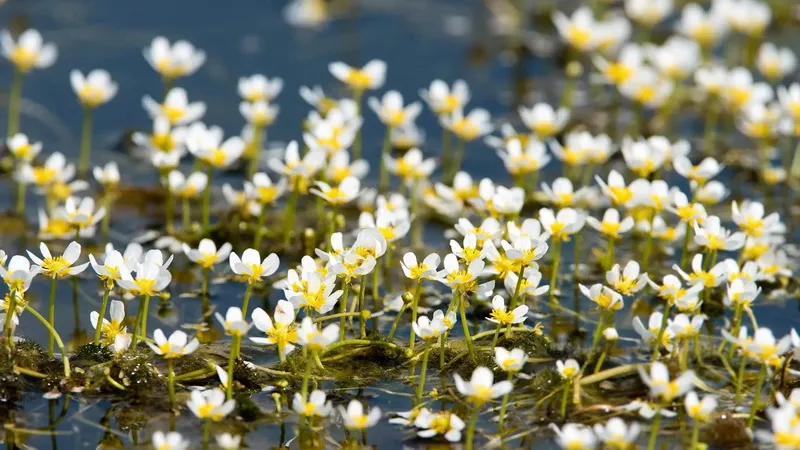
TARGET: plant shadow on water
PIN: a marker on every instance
(508, 60)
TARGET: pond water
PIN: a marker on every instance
(420, 40)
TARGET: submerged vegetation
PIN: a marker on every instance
(344, 291)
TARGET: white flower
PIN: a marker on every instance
(700, 410)
(449, 320)
(628, 280)
(520, 160)
(531, 278)
(580, 31)
(648, 87)
(56, 266)
(629, 60)
(750, 17)
(176, 346)
(281, 331)
(169, 441)
(315, 406)
(343, 193)
(563, 224)
(562, 194)
(233, 323)
(151, 278)
(93, 89)
(706, 28)
(420, 271)
(739, 89)
(568, 369)
(660, 385)
(765, 349)
(713, 237)
(502, 316)
(257, 87)
(259, 113)
(109, 270)
(611, 225)
(173, 61)
(210, 404)
(429, 329)
(510, 361)
(110, 329)
(411, 166)
(775, 63)
(354, 417)
(444, 100)
(642, 157)
(263, 190)
(108, 176)
(616, 434)
(392, 112)
(252, 267)
(684, 328)
(610, 334)
(648, 12)
(543, 120)
(28, 51)
(481, 387)
(306, 13)
(442, 423)
(22, 149)
(187, 187)
(750, 218)
(605, 297)
(227, 441)
(311, 337)
(176, 107)
(475, 124)
(676, 58)
(574, 437)
(206, 144)
(80, 213)
(339, 167)
(206, 254)
(371, 76)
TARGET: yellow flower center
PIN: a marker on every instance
(55, 267)
(503, 316)
(172, 113)
(580, 38)
(23, 58)
(358, 79)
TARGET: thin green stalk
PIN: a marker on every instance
(86, 141)
(564, 397)
(496, 335)
(204, 285)
(414, 302)
(98, 330)
(695, 435)
(383, 184)
(14, 96)
(416, 220)
(21, 187)
(105, 224)
(207, 200)
(259, 234)
(206, 432)
(504, 406)
(51, 316)
(396, 321)
(651, 444)
(446, 146)
(306, 375)
(685, 249)
(171, 382)
(231, 360)
(463, 310)
(343, 310)
(609, 260)
(258, 139)
(361, 300)
(598, 331)
(422, 372)
(187, 214)
(762, 373)
(660, 336)
(471, 428)
(457, 159)
(145, 313)
(576, 245)
(246, 302)
(357, 96)
(288, 218)
(554, 268)
(7, 328)
(53, 332)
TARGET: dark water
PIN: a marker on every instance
(416, 39)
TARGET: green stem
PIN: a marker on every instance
(685, 249)
(396, 321)
(51, 316)
(762, 373)
(98, 330)
(471, 428)
(306, 376)
(187, 214)
(465, 326)
(288, 218)
(171, 382)
(576, 245)
(262, 218)
(384, 172)
(504, 406)
(357, 96)
(258, 138)
(106, 221)
(86, 141)
(598, 331)
(416, 220)
(446, 146)
(14, 96)
(204, 285)
(457, 159)
(695, 435)
(660, 336)
(7, 327)
(343, 310)
(53, 332)
(206, 432)
(231, 360)
(207, 200)
(554, 268)
(422, 372)
(361, 300)
(414, 301)
(246, 302)
(564, 397)
(145, 313)
(21, 187)
(609, 260)
(651, 444)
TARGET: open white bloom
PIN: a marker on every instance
(650, 334)
(529, 286)
(187, 187)
(57, 266)
(176, 107)
(700, 410)
(574, 437)
(428, 329)
(27, 51)
(502, 316)
(227, 441)
(713, 237)
(391, 110)
(206, 144)
(605, 297)
(340, 167)
(259, 113)
(175, 60)
(785, 430)
(262, 190)
(739, 89)
(481, 387)
(510, 361)
(699, 276)
(563, 224)
(611, 226)
(676, 58)
(705, 28)
(543, 120)
(151, 278)
(750, 17)
(568, 369)
(648, 12)
(420, 271)
(616, 434)
(648, 87)
(767, 350)
(343, 193)
(169, 441)
(93, 89)
(206, 254)
(443, 99)
(741, 293)
(314, 339)
(580, 31)
(626, 281)
(22, 149)
(176, 346)
(442, 423)
(475, 124)
(642, 157)
(19, 273)
(562, 194)
(775, 63)
(314, 406)
(371, 76)
(257, 87)
(411, 166)
(210, 404)
(520, 160)
(628, 62)
(751, 219)
(80, 213)
(662, 387)
(252, 267)
(684, 328)
(615, 189)
(354, 417)
(234, 322)
(108, 176)
(280, 329)
(110, 329)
